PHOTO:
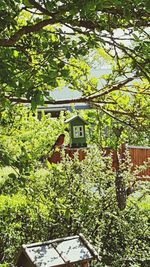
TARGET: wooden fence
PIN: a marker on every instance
(138, 157)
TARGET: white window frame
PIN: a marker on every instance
(78, 131)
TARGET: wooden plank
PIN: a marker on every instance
(138, 156)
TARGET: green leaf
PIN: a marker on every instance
(12, 175)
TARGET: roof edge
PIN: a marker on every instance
(75, 117)
(89, 246)
(49, 242)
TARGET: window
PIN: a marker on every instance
(78, 131)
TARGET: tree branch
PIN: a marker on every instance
(25, 30)
(55, 17)
(127, 113)
(113, 88)
(90, 99)
(59, 102)
(40, 8)
(121, 121)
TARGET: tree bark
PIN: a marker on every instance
(119, 182)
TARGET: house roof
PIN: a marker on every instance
(59, 252)
(74, 118)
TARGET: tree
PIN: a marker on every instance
(44, 45)
(25, 139)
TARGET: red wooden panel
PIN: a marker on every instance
(72, 151)
(56, 156)
(138, 157)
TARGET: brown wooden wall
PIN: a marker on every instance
(56, 156)
(138, 155)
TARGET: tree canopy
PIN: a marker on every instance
(47, 44)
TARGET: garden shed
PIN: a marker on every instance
(71, 251)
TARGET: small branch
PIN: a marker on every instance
(32, 12)
(113, 88)
(126, 50)
(136, 93)
(126, 113)
(121, 121)
(40, 8)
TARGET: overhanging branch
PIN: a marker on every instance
(59, 102)
(25, 30)
(92, 99)
(112, 89)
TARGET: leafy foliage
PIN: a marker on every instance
(69, 198)
(47, 44)
(44, 201)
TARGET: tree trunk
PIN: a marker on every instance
(119, 182)
(84, 264)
